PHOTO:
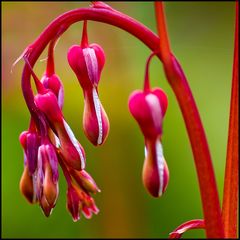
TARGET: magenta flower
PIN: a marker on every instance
(54, 83)
(148, 107)
(71, 150)
(47, 177)
(80, 201)
(87, 62)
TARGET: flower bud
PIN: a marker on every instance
(85, 181)
(155, 170)
(48, 173)
(30, 142)
(54, 83)
(87, 63)
(148, 108)
(78, 200)
(71, 150)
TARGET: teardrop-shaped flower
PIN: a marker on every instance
(148, 107)
(70, 149)
(47, 177)
(87, 62)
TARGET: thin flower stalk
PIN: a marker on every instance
(231, 194)
(201, 153)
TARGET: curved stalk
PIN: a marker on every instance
(176, 79)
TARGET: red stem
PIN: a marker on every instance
(84, 41)
(201, 153)
(179, 84)
(50, 60)
(162, 31)
(230, 195)
(146, 79)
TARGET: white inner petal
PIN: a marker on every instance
(75, 143)
(57, 141)
(60, 97)
(155, 109)
(160, 164)
(145, 151)
(97, 106)
(92, 64)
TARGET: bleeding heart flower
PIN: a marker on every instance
(87, 62)
(79, 201)
(54, 83)
(71, 150)
(47, 177)
(148, 107)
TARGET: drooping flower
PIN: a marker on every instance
(50, 79)
(47, 177)
(27, 185)
(148, 107)
(70, 149)
(87, 62)
(79, 201)
(80, 187)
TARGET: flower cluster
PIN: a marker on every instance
(50, 142)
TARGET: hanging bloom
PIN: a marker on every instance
(29, 142)
(47, 177)
(87, 62)
(148, 107)
(70, 149)
(80, 187)
(79, 201)
(50, 79)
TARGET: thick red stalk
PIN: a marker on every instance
(230, 195)
(201, 153)
(162, 31)
(176, 79)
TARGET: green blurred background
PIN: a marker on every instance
(201, 35)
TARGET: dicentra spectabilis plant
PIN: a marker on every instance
(49, 141)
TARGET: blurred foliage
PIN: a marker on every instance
(201, 36)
